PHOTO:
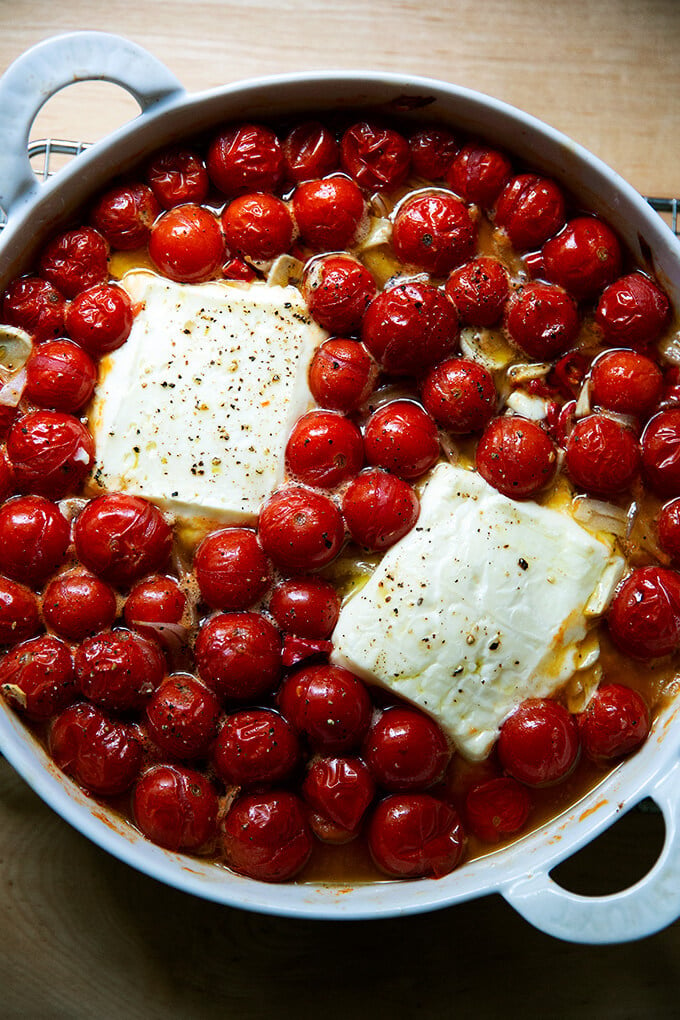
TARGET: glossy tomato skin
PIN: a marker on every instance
(409, 327)
(413, 835)
(75, 260)
(644, 616)
(632, 311)
(583, 258)
(19, 617)
(258, 226)
(478, 291)
(342, 375)
(182, 716)
(60, 375)
(37, 677)
(543, 320)
(339, 789)
(433, 149)
(328, 705)
(35, 306)
(338, 290)
(101, 754)
(402, 437)
(324, 449)
(156, 599)
(668, 530)
(307, 607)
(478, 174)
(538, 744)
(51, 453)
(7, 480)
(231, 569)
(100, 318)
(175, 807)
(460, 394)
(497, 808)
(266, 836)
(76, 604)
(254, 747)
(187, 244)
(329, 213)
(626, 382)
(516, 456)
(309, 151)
(121, 538)
(379, 509)
(376, 157)
(434, 232)
(125, 214)
(300, 529)
(602, 456)
(118, 669)
(615, 722)
(660, 445)
(34, 537)
(531, 209)
(405, 750)
(245, 158)
(178, 176)
(238, 655)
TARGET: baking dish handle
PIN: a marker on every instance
(48, 67)
(643, 909)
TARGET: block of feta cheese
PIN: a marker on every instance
(486, 602)
(194, 410)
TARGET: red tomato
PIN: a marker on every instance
(118, 669)
(34, 537)
(305, 606)
(401, 437)
(245, 158)
(36, 306)
(154, 608)
(328, 705)
(644, 617)
(413, 835)
(338, 290)
(266, 836)
(256, 746)
(237, 269)
(668, 529)
(324, 449)
(542, 319)
(178, 176)
(632, 311)
(615, 722)
(432, 151)
(186, 244)
(77, 604)
(102, 755)
(60, 375)
(329, 213)
(406, 750)
(379, 509)
(258, 226)
(342, 375)
(460, 394)
(434, 232)
(121, 538)
(238, 655)
(583, 258)
(376, 157)
(516, 456)
(75, 260)
(602, 456)
(231, 569)
(661, 452)
(497, 808)
(297, 649)
(477, 174)
(37, 677)
(18, 613)
(51, 453)
(339, 789)
(7, 480)
(479, 291)
(409, 327)
(531, 209)
(100, 319)
(125, 214)
(182, 717)
(568, 374)
(626, 382)
(175, 807)
(300, 529)
(538, 744)
(309, 151)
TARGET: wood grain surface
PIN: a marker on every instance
(82, 935)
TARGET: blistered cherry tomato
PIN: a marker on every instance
(324, 449)
(18, 613)
(75, 260)
(478, 173)
(178, 176)
(51, 453)
(118, 669)
(542, 319)
(182, 716)
(154, 608)
(401, 437)
(328, 213)
(175, 807)
(307, 607)
(644, 617)
(100, 319)
(245, 158)
(36, 306)
(231, 569)
(239, 655)
(602, 456)
(538, 744)
(661, 452)
(516, 456)
(406, 750)
(76, 604)
(37, 677)
(103, 755)
(497, 808)
(413, 835)
(583, 258)
(379, 509)
(339, 789)
(531, 209)
(375, 156)
(460, 394)
(34, 537)
(409, 327)
(338, 290)
(342, 375)
(186, 244)
(432, 151)
(633, 310)
(479, 291)
(434, 232)
(60, 375)
(615, 722)
(121, 538)
(256, 746)
(258, 226)
(668, 529)
(626, 382)
(329, 705)
(266, 836)
(309, 151)
(300, 529)
(125, 214)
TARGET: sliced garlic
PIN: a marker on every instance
(285, 270)
(486, 346)
(15, 349)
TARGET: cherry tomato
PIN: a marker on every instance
(75, 260)
(531, 209)
(175, 807)
(36, 306)
(300, 529)
(338, 290)
(178, 176)
(413, 835)
(51, 453)
(18, 613)
(339, 789)
(479, 291)
(60, 375)
(375, 156)
(329, 213)
(626, 382)
(237, 269)
(543, 320)
(633, 310)
(266, 836)
(125, 214)
(297, 649)
(231, 569)
(478, 173)
(309, 151)
(401, 437)
(602, 456)
(182, 716)
(7, 480)
(497, 808)
(583, 258)
(409, 327)
(256, 746)
(668, 529)
(154, 608)
(538, 744)
(34, 537)
(460, 394)
(102, 755)
(258, 226)
(406, 750)
(76, 604)
(434, 232)
(516, 456)
(661, 452)
(100, 319)
(121, 538)
(615, 722)
(37, 677)
(239, 655)
(324, 449)
(305, 606)
(432, 151)
(186, 244)
(245, 158)
(644, 617)
(379, 509)
(118, 669)
(328, 705)
(342, 375)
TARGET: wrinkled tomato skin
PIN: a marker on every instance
(182, 717)
(300, 529)
(516, 456)
(531, 209)
(339, 789)
(125, 214)
(460, 394)
(256, 746)
(238, 655)
(245, 158)
(177, 177)
(51, 453)
(60, 375)
(478, 174)
(175, 807)
(615, 722)
(413, 835)
(231, 569)
(121, 538)
(644, 616)
(632, 311)
(266, 836)
(626, 382)
(76, 605)
(433, 149)
(379, 509)
(19, 617)
(497, 809)
(37, 677)
(478, 291)
(187, 244)
(409, 328)
(307, 607)
(75, 260)
(119, 670)
(405, 750)
(377, 158)
(660, 445)
(101, 754)
(342, 375)
(668, 530)
(602, 456)
(324, 449)
(328, 705)
(35, 306)
(257, 226)
(34, 537)
(543, 320)
(538, 744)
(402, 437)
(583, 258)
(338, 290)
(100, 319)
(310, 151)
(329, 213)
(434, 232)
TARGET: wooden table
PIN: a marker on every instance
(82, 935)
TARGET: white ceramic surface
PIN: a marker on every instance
(520, 873)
